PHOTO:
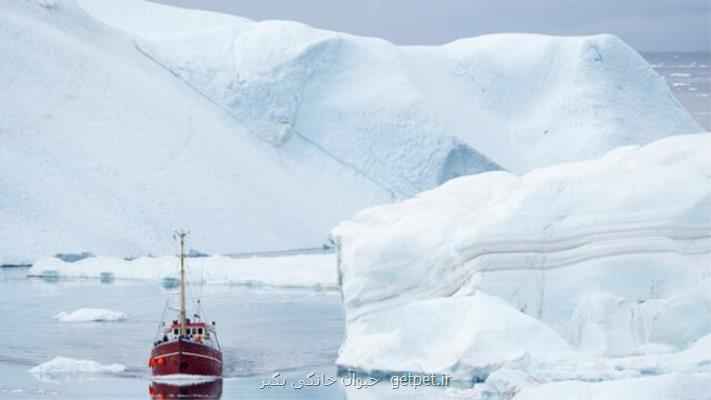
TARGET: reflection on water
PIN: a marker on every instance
(186, 390)
(170, 282)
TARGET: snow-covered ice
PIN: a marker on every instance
(262, 135)
(613, 255)
(550, 99)
(317, 271)
(118, 153)
(505, 383)
(695, 358)
(68, 366)
(464, 336)
(663, 387)
(90, 315)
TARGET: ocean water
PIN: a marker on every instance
(262, 331)
(688, 75)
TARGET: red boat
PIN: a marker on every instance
(188, 347)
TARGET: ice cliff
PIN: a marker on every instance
(609, 257)
(127, 119)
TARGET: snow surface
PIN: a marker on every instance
(663, 387)
(505, 383)
(66, 365)
(550, 101)
(104, 151)
(90, 315)
(695, 358)
(613, 255)
(316, 271)
(133, 119)
(486, 333)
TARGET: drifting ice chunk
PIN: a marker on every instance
(316, 271)
(91, 314)
(66, 365)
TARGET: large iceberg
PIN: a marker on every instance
(128, 119)
(613, 254)
(415, 112)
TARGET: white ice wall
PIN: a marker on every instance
(124, 120)
(612, 254)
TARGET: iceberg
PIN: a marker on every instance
(312, 271)
(66, 365)
(90, 315)
(119, 153)
(263, 135)
(612, 254)
(428, 108)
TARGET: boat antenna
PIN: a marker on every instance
(183, 322)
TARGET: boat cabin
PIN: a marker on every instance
(197, 331)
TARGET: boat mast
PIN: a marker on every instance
(183, 320)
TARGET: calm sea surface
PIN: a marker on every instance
(262, 331)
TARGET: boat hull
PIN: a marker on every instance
(185, 357)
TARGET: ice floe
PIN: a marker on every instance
(317, 271)
(91, 314)
(68, 366)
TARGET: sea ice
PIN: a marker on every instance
(662, 387)
(66, 365)
(315, 271)
(91, 314)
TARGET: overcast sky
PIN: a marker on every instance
(645, 24)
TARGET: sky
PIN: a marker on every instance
(647, 25)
